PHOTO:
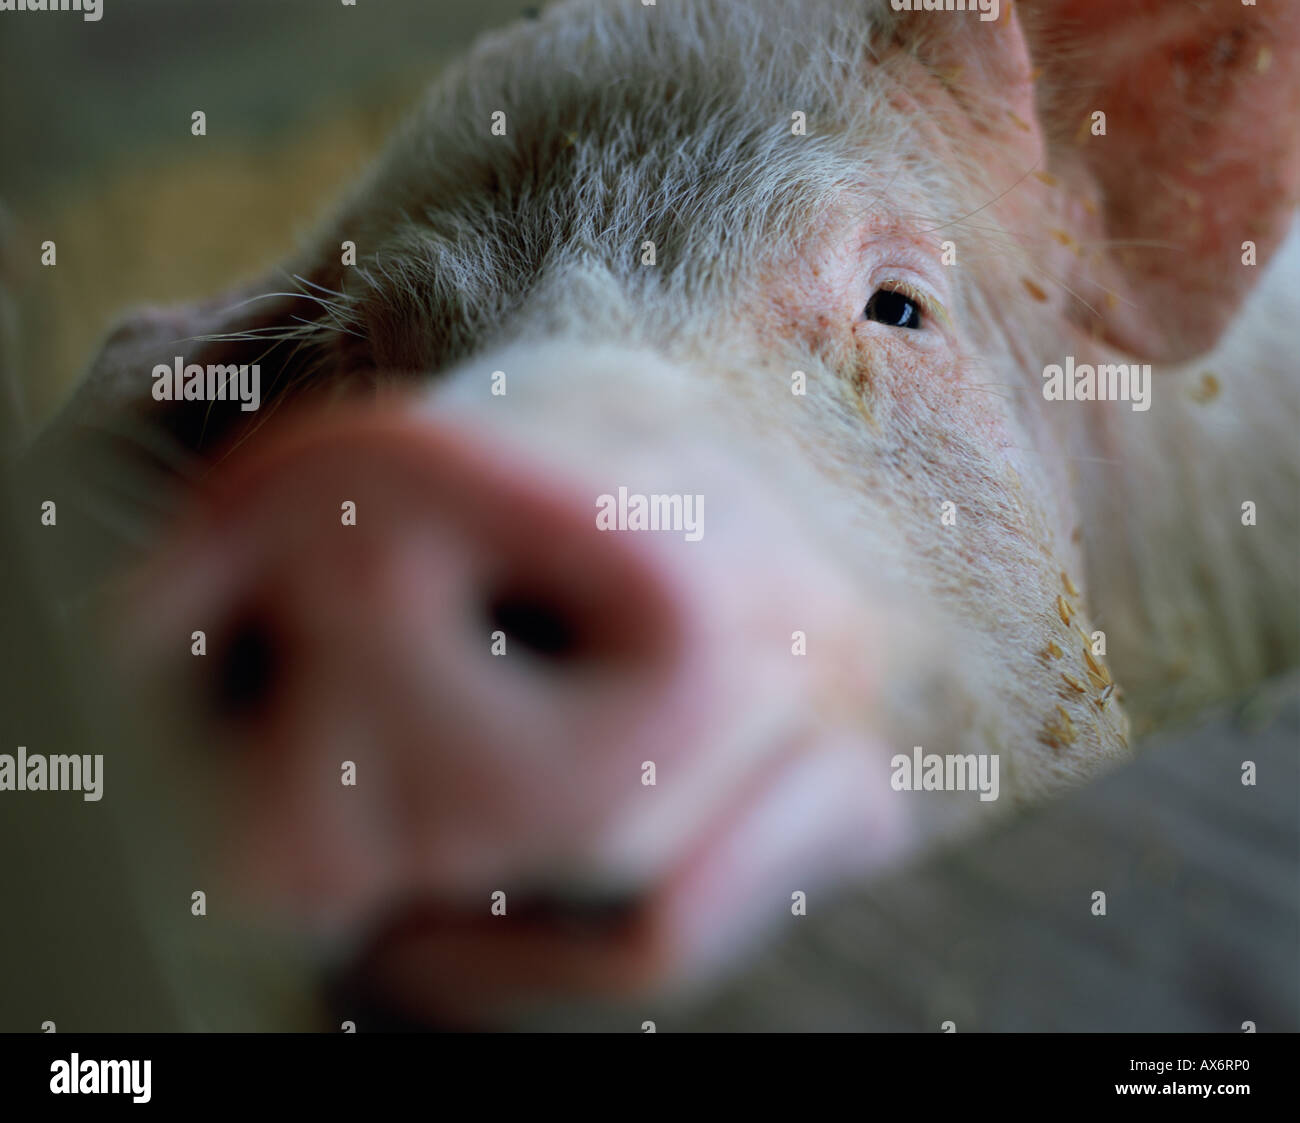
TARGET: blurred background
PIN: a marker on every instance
(98, 155)
(1203, 930)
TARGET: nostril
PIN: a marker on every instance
(248, 666)
(541, 625)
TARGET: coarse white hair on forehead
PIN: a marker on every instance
(624, 125)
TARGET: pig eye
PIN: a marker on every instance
(893, 308)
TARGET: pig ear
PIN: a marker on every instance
(1201, 155)
(118, 459)
(278, 322)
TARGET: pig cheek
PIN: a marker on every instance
(904, 390)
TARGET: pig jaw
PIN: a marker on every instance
(793, 833)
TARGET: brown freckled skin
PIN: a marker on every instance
(1208, 390)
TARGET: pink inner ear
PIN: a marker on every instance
(1201, 153)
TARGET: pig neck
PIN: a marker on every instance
(1196, 605)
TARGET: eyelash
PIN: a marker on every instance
(930, 309)
(909, 290)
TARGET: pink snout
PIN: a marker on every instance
(498, 751)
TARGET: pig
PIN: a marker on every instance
(794, 272)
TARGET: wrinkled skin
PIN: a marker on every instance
(523, 253)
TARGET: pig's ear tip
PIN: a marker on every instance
(1167, 345)
(138, 322)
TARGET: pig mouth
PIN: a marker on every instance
(435, 963)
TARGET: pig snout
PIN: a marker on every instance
(497, 750)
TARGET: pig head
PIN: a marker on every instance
(780, 276)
